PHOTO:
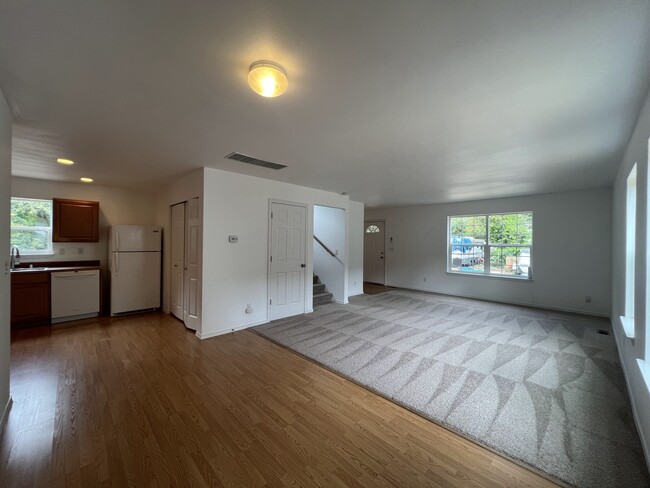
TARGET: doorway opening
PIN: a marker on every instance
(329, 250)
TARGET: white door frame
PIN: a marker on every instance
(308, 282)
(365, 225)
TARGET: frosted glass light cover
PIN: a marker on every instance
(267, 78)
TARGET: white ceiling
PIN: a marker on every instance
(396, 103)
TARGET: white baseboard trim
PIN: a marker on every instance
(644, 444)
(342, 302)
(164, 310)
(355, 294)
(508, 302)
(5, 413)
(219, 332)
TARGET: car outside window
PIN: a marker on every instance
(491, 244)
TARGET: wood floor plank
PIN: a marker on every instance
(140, 401)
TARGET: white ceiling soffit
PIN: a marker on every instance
(395, 103)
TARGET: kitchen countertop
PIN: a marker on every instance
(53, 269)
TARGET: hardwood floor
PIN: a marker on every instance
(374, 288)
(139, 401)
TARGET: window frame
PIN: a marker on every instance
(629, 293)
(486, 248)
(369, 231)
(49, 230)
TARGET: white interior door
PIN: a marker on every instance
(287, 262)
(178, 260)
(191, 290)
(373, 252)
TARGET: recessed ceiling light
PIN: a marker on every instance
(67, 162)
(267, 78)
(86, 180)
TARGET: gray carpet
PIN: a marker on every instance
(541, 387)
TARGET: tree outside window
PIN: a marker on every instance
(31, 225)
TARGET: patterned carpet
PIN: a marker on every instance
(541, 387)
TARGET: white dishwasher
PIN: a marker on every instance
(75, 295)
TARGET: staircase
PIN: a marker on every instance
(321, 295)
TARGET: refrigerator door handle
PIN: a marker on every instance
(117, 239)
(116, 257)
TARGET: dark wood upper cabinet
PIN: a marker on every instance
(75, 221)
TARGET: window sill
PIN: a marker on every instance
(628, 326)
(644, 366)
(493, 277)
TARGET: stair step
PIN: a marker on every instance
(322, 298)
(319, 288)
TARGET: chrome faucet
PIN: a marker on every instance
(15, 256)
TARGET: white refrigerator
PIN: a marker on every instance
(134, 265)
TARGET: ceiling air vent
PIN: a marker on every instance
(257, 162)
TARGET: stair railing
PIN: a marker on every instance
(329, 251)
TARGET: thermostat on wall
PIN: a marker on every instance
(233, 239)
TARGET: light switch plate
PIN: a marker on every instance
(233, 239)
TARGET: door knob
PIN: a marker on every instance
(303, 265)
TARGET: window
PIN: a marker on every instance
(372, 229)
(31, 225)
(630, 252)
(491, 244)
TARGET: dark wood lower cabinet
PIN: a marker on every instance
(30, 299)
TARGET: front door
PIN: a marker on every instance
(287, 263)
(178, 260)
(373, 252)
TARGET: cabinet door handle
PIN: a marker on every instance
(77, 277)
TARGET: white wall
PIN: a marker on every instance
(116, 206)
(355, 249)
(631, 350)
(5, 196)
(571, 254)
(329, 227)
(236, 274)
(182, 189)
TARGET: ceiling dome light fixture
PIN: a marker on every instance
(267, 78)
(67, 162)
(86, 180)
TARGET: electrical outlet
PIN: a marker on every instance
(425, 280)
(61, 251)
(249, 310)
(81, 251)
(588, 299)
